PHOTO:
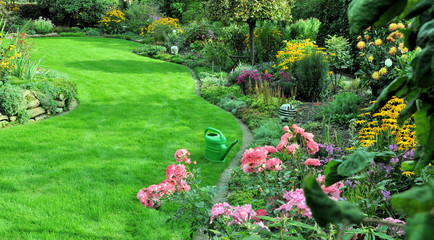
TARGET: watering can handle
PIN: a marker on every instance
(215, 130)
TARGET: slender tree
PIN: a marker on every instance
(250, 12)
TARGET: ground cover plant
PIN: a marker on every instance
(78, 174)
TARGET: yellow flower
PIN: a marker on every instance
(370, 58)
(401, 26)
(330, 72)
(378, 42)
(383, 71)
(361, 45)
(375, 75)
(392, 51)
(392, 27)
(408, 173)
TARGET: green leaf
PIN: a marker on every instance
(324, 210)
(331, 173)
(383, 235)
(268, 219)
(356, 162)
(350, 212)
(364, 13)
(422, 121)
(407, 166)
(251, 237)
(415, 200)
(383, 157)
(388, 92)
(409, 109)
(423, 65)
(394, 10)
(419, 8)
(299, 224)
(420, 227)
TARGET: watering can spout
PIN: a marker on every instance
(227, 149)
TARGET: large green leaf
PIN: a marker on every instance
(423, 124)
(423, 67)
(350, 212)
(415, 200)
(331, 173)
(356, 162)
(324, 210)
(389, 92)
(409, 109)
(364, 13)
(420, 227)
(420, 8)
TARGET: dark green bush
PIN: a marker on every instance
(217, 55)
(343, 108)
(311, 75)
(194, 31)
(163, 56)
(137, 16)
(148, 50)
(177, 59)
(214, 94)
(33, 11)
(231, 104)
(85, 13)
(234, 37)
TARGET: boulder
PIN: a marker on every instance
(13, 118)
(3, 123)
(61, 97)
(35, 112)
(59, 110)
(33, 104)
(4, 117)
(41, 117)
(60, 104)
(74, 104)
(25, 92)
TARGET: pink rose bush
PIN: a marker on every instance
(177, 177)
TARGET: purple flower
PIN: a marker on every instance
(393, 147)
(386, 194)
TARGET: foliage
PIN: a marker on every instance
(148, 50)
(12, 102)
(311, 74)
(234, 37)
(231, 105)
(268, 133)
(72, 34)
(112, 21)
(92, 32)
(268, 40)
(216, 54)
(161, 27)
(33, 11)
(214, 94)
(196, 31)
(42, 25)
(339, 57)
(331, 13)
(342, 108)
(72, 12)
(382, 56)
(305, 29)
(25, 68)
(138, 15)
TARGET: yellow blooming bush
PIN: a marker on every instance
(162, 27)
(295, 52)
(382, 56)
(112, 21)
(380, 129)
(268, 40)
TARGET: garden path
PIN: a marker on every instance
(76, 176)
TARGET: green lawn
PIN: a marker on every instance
(76, 176)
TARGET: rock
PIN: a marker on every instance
(33, 104)
(60, 104)
(25, 92)
(3, 123)
(35, 112)
(13, 118)
(31, 120)
(3, 117)
(59, 110)
(74, 104)
(40, 117)
(61, 97)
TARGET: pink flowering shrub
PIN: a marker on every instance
(177, 178)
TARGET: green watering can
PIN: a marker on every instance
(215, 145)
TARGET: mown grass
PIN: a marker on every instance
(76, 176)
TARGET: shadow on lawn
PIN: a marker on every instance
(127, 66)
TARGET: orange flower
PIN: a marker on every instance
(392, 51)
(367, 37)
(401, 26)
(361, 45)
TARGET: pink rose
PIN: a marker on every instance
(286, 129)
(297, 129)
(312, 147)
(312, 162)
(292, 149)
(270, 149)
(274, 164)
(308, 136)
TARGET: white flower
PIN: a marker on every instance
(388, 62)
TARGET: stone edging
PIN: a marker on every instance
(35, 110)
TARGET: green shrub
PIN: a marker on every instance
(72, 34)
(33, 11)
(343, 108)
(177, 59)
(86, 13)
(268, 42)
(234, 37)
(216, 54)
(305, 29)
(92, 31)
(164, 56)
(148, 50)
(42, 26)
(137, 15)
(311, 76)
(194, 31)
(12, 102)
(268, 133)
(214, 94)
(231, 104)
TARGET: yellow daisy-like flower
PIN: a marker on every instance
(408, 173)
(392, 51)
(361, 45)
(393, 26)
(371, 58)
(400, 26)
(375, 75)
(367, 37)
(383, 71)
(378, 42)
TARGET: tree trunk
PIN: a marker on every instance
(252, 24)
